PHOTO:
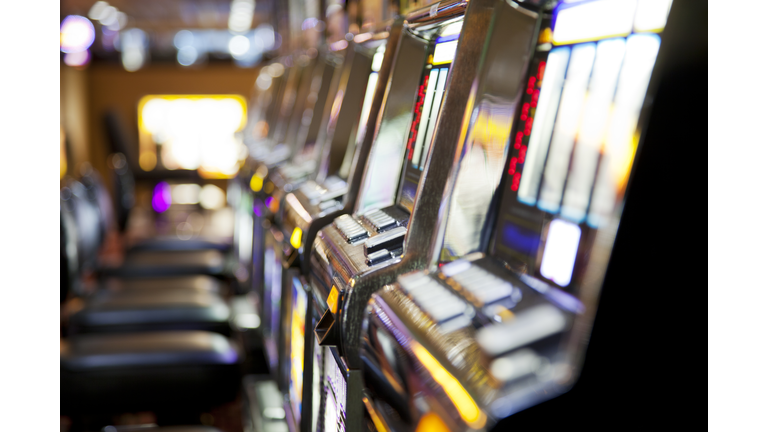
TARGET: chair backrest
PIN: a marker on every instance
(68, 254)
(87, 226)
(123, 163)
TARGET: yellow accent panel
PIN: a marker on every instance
(333, 299)
(257, 182)
(296, 238)
(465, 405)
(432, 423)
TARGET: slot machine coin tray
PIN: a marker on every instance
(327, 330)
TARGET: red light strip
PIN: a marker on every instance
(527, 111)
(418, 110)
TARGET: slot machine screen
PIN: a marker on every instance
(500, 93)
(403, 116)
(273, 274)
(426, 111)
(335, 387)
(370, 89)
(573, 151)
(317, 382)
(296, 344)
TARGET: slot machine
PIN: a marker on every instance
(501, 321)
(417, 132)
(263, 109)
(353, 110)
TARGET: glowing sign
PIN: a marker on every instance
(193, 132)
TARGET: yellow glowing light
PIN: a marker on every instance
(333, 299)
(62, 153)
(257, 182)
(445, 52)
(465, 405)
(195, 131)
(625, 166)
(148, 161)
(432, 423)
(296, 238)
(377, 422)
(545, 36)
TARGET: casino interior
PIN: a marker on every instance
(353, 215)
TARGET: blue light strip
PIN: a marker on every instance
(447, 38)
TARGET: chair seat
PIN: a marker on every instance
(200, 282)
(151, 263)
(176, 244)
(161, 429)
(147, 371)
(136, 310)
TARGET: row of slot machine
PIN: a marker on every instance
(436, 201)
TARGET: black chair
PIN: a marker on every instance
(169, 302)
(161, 347)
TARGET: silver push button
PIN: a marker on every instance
(350, 229)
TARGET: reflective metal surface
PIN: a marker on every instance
(501, 324)
(336, 263)
(316, 202)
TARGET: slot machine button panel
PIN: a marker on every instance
(448, 310)
(485, 287)
(390, 240)
(378, 257)
(379, 220)
(350, 229)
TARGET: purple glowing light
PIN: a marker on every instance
(269, 201)
(76, 59)
(257, 208)
(76, 34)
(161, 197)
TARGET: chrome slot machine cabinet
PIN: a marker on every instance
(296, 71)
(434, 69)
(266, 237)
(365, 72)
(500, 323)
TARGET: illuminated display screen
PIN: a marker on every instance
(401, 146)
(317, 382)
(574, 145)
(273, 274)
(335, 387)
(296, 343)
(370, 89)
(425, 113)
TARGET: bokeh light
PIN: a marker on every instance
(76, 34)
(212, 197)
(77, 59)
(161, 197)
(194, 132)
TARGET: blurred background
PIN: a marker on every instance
(160, 89)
